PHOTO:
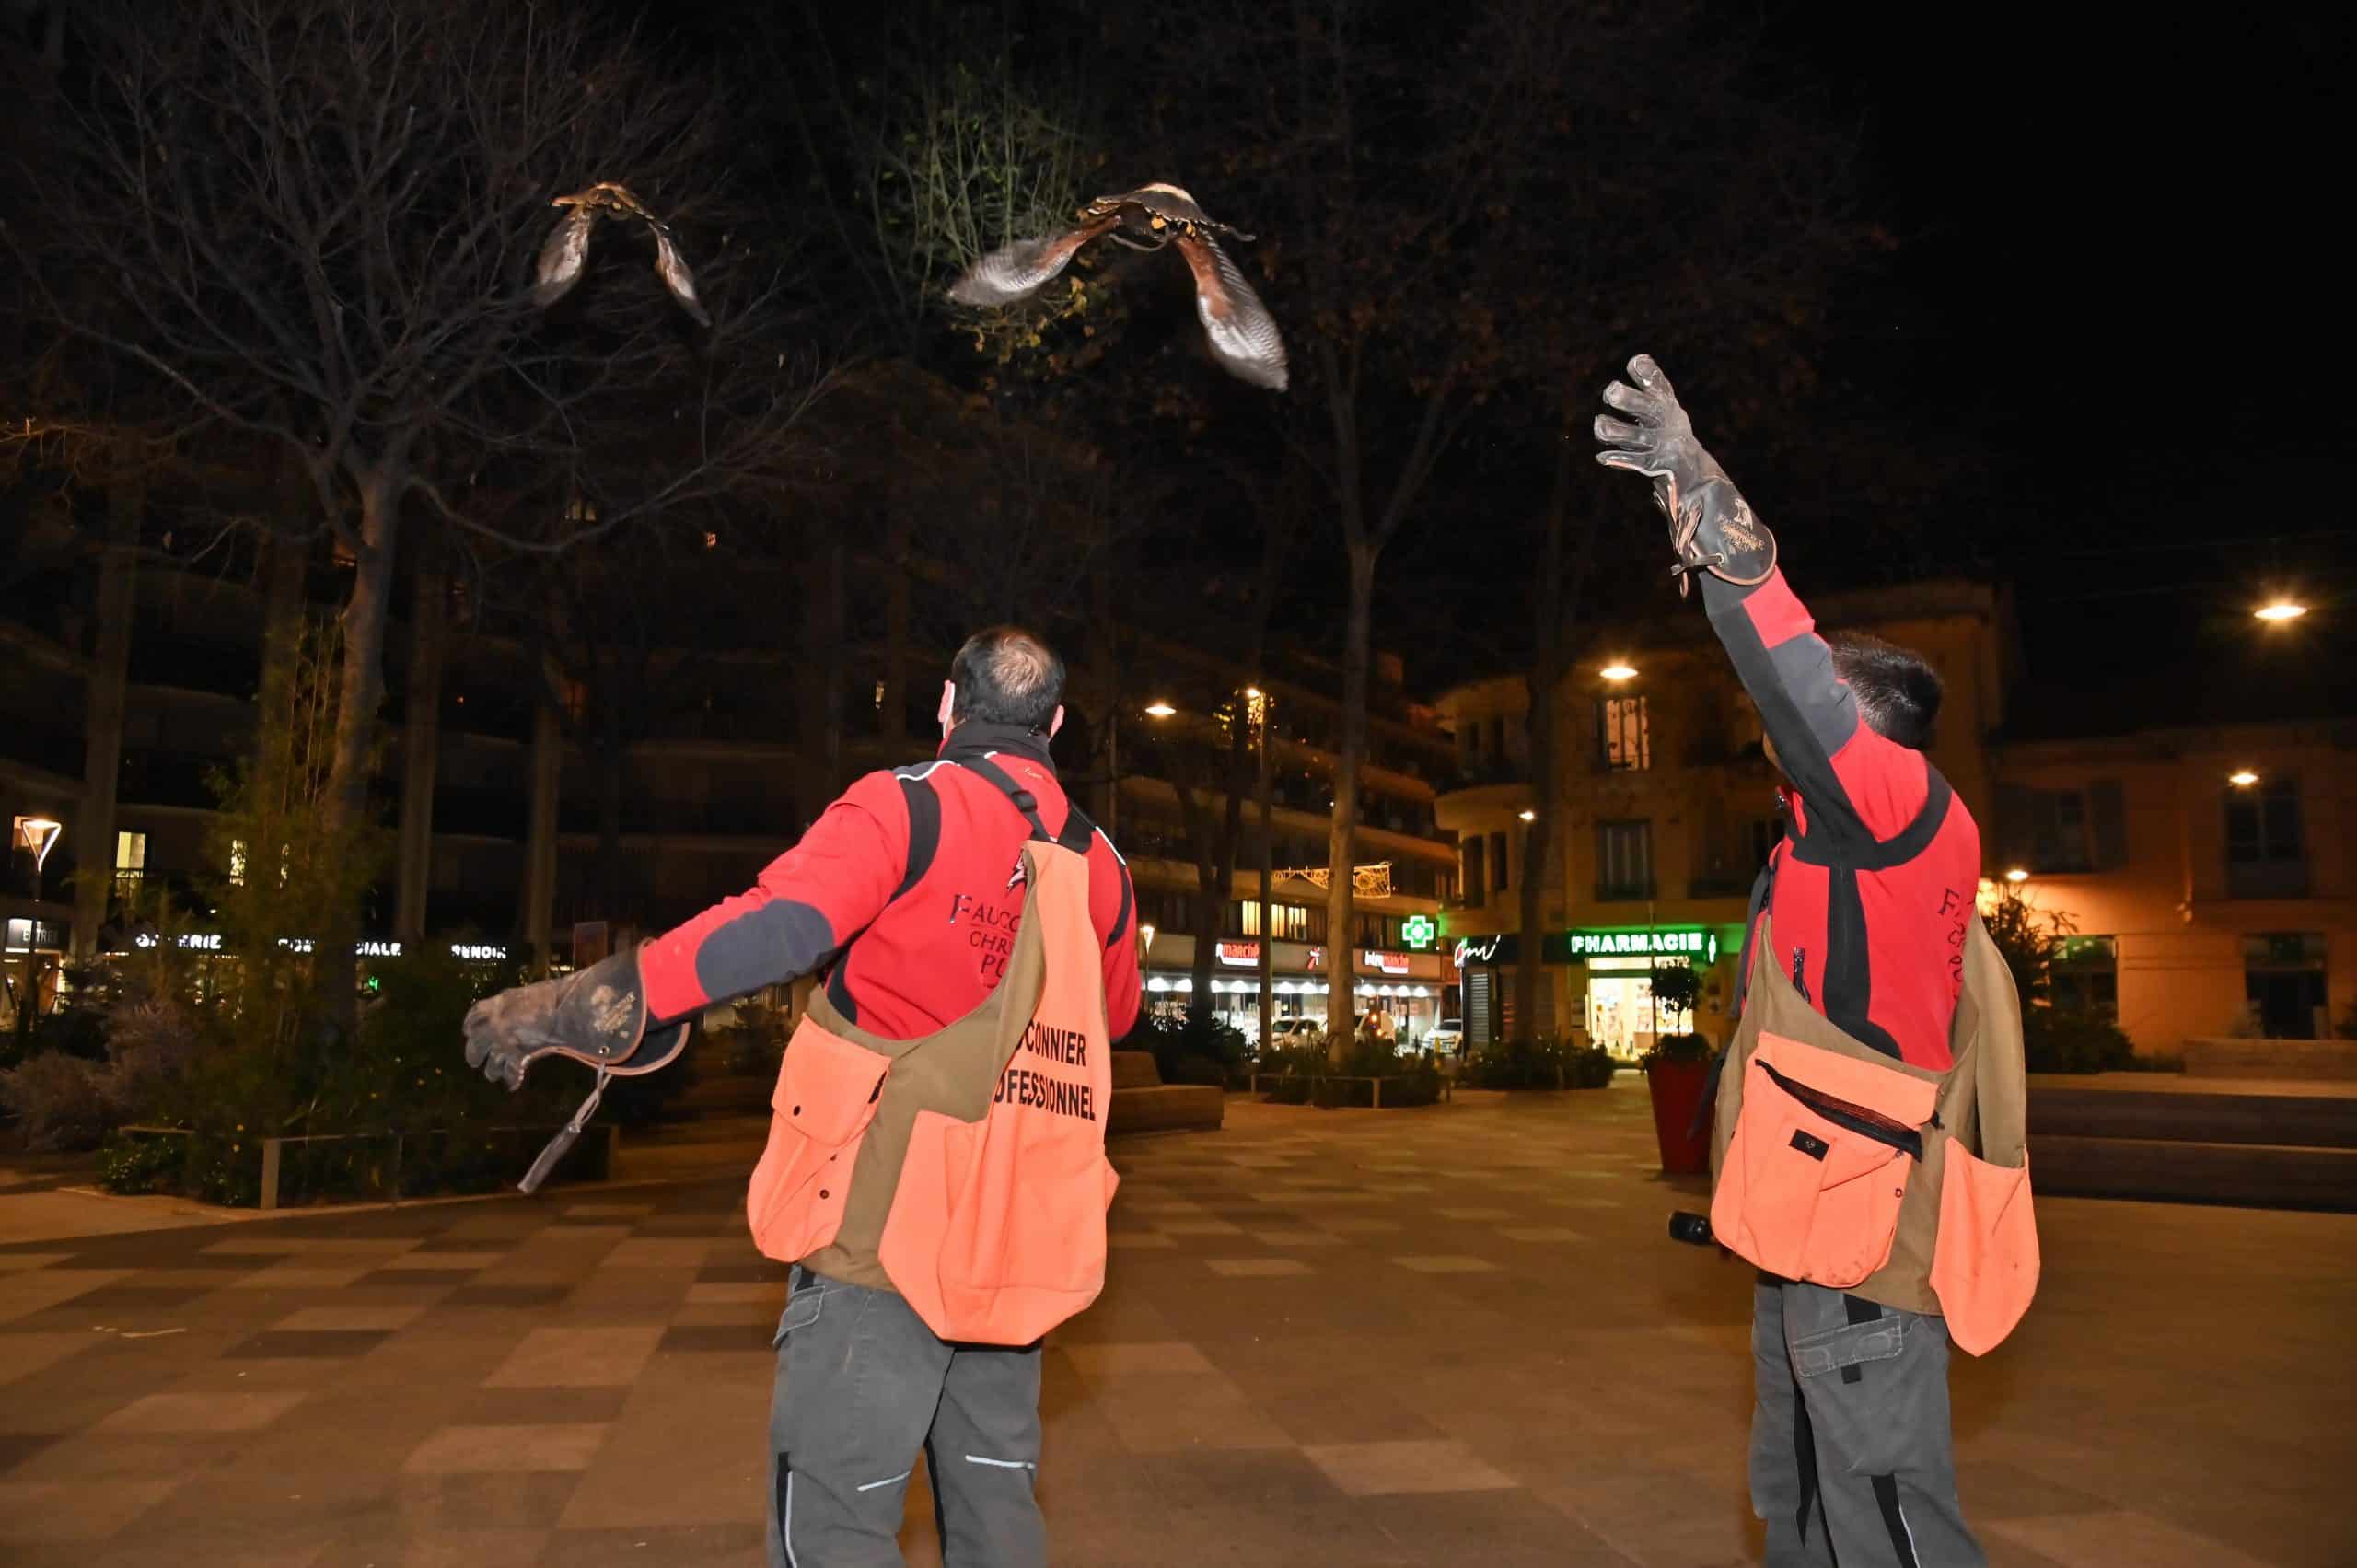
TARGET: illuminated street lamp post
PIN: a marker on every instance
(38, 834)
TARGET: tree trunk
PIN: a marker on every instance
(1268, 874)
(1342, 845)
(420, 754)
(536, 907)
(1547, 674)
(288, 566)
(613, 763)
(366, 614)
(896, 631)
(94, 851)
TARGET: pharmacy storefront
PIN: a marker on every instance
(1600, 983)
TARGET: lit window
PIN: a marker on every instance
(130, 863)
(1626, 733)
(237, 863)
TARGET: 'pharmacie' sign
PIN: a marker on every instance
(1699, 943)
(1696, 944)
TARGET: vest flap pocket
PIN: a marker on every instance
(1819, 1167)
(1881, 1092)
(1984, 1264)
(828, 1087)
(827, 1094)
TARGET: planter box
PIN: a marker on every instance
(1677, 1089)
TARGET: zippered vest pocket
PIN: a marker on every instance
(1822, 1153)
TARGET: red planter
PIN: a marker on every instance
(1677, 1089)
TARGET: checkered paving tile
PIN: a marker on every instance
(1454, 1334)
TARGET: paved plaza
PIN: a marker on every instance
(1450, 1335)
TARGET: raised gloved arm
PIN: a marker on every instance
(1850, 779)
(1711, 528)
(595, 1015)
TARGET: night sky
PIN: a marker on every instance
(2112, 289)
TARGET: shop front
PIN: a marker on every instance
(1406, 986)
(1600, 983)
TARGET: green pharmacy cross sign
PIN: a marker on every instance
(1697, 943)
(1419, 932)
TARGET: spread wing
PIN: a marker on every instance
(563, 256)
(1015, 272)
(1243, 334)
(673, 272)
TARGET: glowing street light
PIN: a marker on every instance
(2242, 778)
(1530, 816)
(2280, 610)
(1159, 710)
(2018, 875)
(39, 833)
(1617, 672)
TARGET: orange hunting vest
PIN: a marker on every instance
(1834, 1162)
(965, 1168)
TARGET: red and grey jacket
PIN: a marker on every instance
(1872, 895)
(907, 892)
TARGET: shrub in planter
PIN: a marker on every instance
(1197, 1049)
(2058, 1041)
(1547, 1063)
(1591, 1068)
(142, 1165)
(59, 1101)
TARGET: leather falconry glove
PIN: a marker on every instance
(595, 1015)
(1711, 528)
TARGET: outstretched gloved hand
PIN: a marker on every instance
(596, 1016)
(1710, 525)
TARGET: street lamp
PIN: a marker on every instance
(1159, 710)
(2242, 778)
(2280, 610)
(39, 833)
(2018, 875)
(1617, 671)
(1530, 816)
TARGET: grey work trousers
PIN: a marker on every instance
(1851, 1454)
(862, 1385)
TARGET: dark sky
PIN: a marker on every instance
(2117, 257)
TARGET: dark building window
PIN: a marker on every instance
(2266, 841)
(2086, 976)
(2283, 983)
(1624, 860)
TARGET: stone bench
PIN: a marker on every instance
(2268, 1143)
(2311, 1059)
(1143, 1103)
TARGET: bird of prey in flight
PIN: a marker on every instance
(1242, 333)
(565, 256)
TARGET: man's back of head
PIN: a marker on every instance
(1896, 689)
(1005, 675)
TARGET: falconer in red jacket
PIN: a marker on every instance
(908, 895)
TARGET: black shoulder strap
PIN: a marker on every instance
(924, 843)
(1024, 801)
(924, 828)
